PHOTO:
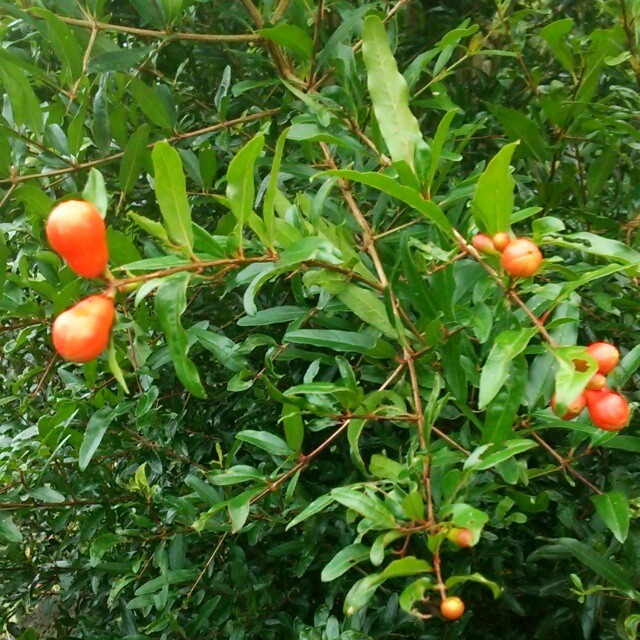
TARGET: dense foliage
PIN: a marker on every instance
(313, 377)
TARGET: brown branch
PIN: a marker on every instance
(150, 33)
(206, 566)
(565, 463)
(627, 26)
(281, 10)
(11, 506)
(116, 156)
(303, 463)
(192, 266)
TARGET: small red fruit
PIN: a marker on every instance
(597, 382)
(609, 411)
(461, 537)
(501, 240)
(452, 608)
(484, 244)
(81, 333)
(522, 258)
(575, 408)
(606, 355)
(77, 232)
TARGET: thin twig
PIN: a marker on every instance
(151, 33)
(116, 156)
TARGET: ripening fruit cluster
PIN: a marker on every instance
(520, 257)
(76, 231)
(608, 410)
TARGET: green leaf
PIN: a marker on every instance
(413, 593)
(269, 442)
(171, 302)
(343, 561)
(506, 451)
(493, 200)
(275, 315)
(240, 185)
(24, 102)
(407, 566)
(389, 93)
(501, 411)
(151, 104)
(133, 159)
(95, 191)
(363, 590)
(555, 35)
(368, 507)
(413, 506)
(627, 367)
(318, 505)
(225, 350)
(507, 346)
(150, 226)
(519, 127)
(97, 427)
(171, 192)
(344, 341)
(429, 209)
(118, 60)
(291, 37)
(613, 508)
(609, 570)
(64, 44)
(436, 148)
(293, 426)
(235, 475)
(474, 577)
(272, 189)
(239, 508)
(361, 593)
(368, 307)
(8, 529)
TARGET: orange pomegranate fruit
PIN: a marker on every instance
(575, 408)
(77, 232)
(461, 537)
(484, 244)
(452, 608)
(521, 258)
(597, 382)
(609, 411)
(501, 240)
(81, 333)
(606, 355)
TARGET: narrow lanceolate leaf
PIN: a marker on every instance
(613, 508)
(270, 196)
(171, 302)
(368, 507)
(64, 44)
(612, 572)
(506, 347)
(330, 339)
(492, 203)
(97, 427)
(133, 158)
(344, 560)
(24, 102)
(389, 93)
(8, 529)
(240, 185)
(427, 208)
(171, 193)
